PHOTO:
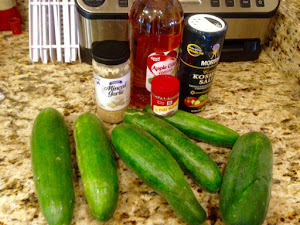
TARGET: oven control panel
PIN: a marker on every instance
(241, 3)
(237, 8)
(224, 8)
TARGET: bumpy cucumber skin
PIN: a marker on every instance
(201, 129)
(97, 166)
(52, 167)
(246, 189)
(149, 159)
(189, 156)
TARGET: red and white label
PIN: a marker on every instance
(164, 107)
(159, 64)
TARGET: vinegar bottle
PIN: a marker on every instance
(155, 35)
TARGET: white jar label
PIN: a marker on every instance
(159, 64)
(112, 94)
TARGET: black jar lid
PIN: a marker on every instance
(110, 52)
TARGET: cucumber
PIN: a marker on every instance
(189, 155)
(201, 129)
(154, 165)
(97, 166)
(246, 188)
(52, 167)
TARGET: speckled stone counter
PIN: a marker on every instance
(246, 96)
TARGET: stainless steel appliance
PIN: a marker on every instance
(248, 23)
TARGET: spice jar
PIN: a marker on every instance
(111, 66)
(164, 95)
(200, 50)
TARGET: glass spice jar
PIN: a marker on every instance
(111, 66)
(164, 95)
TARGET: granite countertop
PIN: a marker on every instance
(246, 96)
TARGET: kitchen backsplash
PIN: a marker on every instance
(284, 44)
(23, 7)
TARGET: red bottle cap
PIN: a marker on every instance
(15, 25)
(165, 86)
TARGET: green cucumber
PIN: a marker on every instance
(52, 167)
(152, 163)
(97, 166)
(189, 155)
(201, 129)
(246, 188)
